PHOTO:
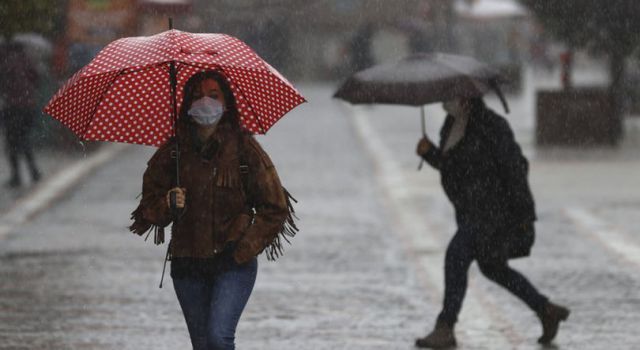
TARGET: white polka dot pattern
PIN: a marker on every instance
(124, 94)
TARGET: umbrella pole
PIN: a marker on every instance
(424, 133)
(174, 113)
(424, 127)
(173, 80)
(174, 102)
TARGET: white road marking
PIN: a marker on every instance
(612, 238)
(53, 187)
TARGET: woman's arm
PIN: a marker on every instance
(153, 210)
(270, 201)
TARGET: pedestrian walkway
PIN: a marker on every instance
(365, 272)
(80, 280)
(48, 161)
(586, 253)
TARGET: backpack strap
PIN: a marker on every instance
(244, 171)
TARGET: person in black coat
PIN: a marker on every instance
(18, 91)
(484, 175)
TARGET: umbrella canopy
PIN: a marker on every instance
(124, 94)
(421, 79)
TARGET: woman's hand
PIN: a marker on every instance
(244, 252)
(424, 145)
(180, 197)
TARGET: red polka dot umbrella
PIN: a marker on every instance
(125, 94)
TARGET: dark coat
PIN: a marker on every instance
(19, 78)
(220, 209)
(485, 176)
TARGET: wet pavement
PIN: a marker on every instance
(587, 252)
(365, 271)
(49, 162)
(79, 280)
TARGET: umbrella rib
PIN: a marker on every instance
(120, 73)
(155, 65)
(264, 131)
(95, 109)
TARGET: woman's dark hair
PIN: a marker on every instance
(231, 112)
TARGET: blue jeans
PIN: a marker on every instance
(212, 306)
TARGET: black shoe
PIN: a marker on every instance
(441, 337)
(550, 317)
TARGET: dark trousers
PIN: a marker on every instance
(212, 306)
(461, 252)
(17, 124)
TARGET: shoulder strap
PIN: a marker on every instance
(244, 169)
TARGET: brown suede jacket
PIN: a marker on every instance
(222, 205)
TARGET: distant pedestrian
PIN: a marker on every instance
(230, 206)
(484, 175)
(18, 90)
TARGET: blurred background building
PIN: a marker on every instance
(321, 39)
(327, 39)
(318, 40)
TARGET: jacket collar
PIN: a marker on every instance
(477, 121)
(188, 139)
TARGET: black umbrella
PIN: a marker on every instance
(421, 79)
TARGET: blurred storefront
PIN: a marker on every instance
(88, 26)
(492, 30)
(496, 32)
(152, 14)
(315, 39)
(92, 24)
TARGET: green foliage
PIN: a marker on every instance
(612, 26)
(40, 16)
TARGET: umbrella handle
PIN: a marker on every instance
(424, 133)
(173, 204)
(173, 201)
(422, 121)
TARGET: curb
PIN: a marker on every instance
(27, 207)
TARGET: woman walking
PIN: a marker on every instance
(229, 207)
(484, 175)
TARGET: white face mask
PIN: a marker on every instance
(206, 111)
(454, 107)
